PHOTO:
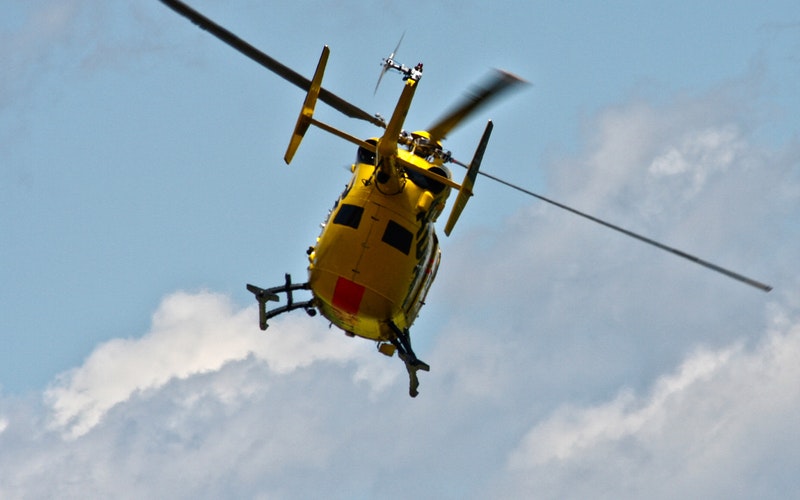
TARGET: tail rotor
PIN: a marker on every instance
(389, 63)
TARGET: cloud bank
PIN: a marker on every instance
(719, 425)
(584, 366)
(192, 334)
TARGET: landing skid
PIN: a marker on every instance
(264, 295)
(402, 342)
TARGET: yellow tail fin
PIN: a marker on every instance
(465, 191)
(304, 120)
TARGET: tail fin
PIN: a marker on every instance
(465, 191)
(304, 120)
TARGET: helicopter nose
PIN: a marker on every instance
(347, 295)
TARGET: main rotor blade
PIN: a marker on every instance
(727, 272)
(499, 82)
(268, 62)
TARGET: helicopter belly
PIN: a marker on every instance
(352, 306)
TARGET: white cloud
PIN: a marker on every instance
(703, 152)
(572, 431)
(705, 427)
(191, 334)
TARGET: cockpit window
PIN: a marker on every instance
(349, 215)
(365, 155)
(427, 183)
(398, 237)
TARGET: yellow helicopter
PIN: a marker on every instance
(372, 265)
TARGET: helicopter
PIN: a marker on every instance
(372, 265)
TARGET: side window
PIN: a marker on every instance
(349, 215)
(426, 183)
(398, 237)
(365, 155)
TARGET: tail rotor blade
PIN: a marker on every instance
(388, 63)
(383, 72)
(397, 47)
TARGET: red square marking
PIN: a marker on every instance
(347, 295)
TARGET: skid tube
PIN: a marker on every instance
(264, 295)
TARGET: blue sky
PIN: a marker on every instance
(142, 185)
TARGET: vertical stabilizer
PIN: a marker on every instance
(306, 114)
(465, 191)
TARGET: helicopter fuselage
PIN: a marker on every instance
(378, 252)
